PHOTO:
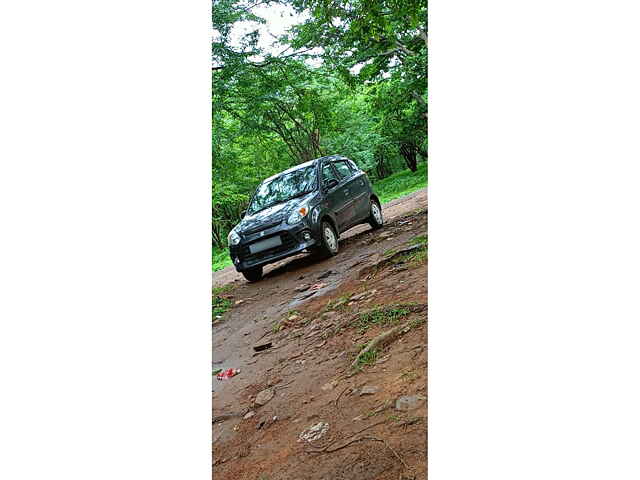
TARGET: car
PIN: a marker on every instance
(303, 209)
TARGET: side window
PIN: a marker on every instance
(328, 173)
(353, 165)
(343, 168)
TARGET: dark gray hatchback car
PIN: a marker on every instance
(301, 209)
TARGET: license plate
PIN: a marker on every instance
(265, 244)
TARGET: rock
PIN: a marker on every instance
(239, 302)
(306, 295)
(358, 418)
(302, 288)
(329, 386)
(326, 274)
(368, 390)
(314, 432)
(249, 415)
(264, 396)
(264, 346)
(329, 315)
(409, 402)
(359, 296)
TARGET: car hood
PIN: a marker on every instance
(271, 216)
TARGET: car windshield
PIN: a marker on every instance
(283, 188)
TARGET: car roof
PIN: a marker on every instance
(304, 165)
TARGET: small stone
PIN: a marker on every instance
(249, 415)
(368, 390)
(314, 432)
(358, 418)
(239, 302)
(264, 396)
(329, 315)
(329, 386)
(302, 288)
(409, 402)
(359, 296)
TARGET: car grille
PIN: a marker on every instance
(260, 228)
(288, 242)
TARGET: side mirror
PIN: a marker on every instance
(243, 213)
(331, 183)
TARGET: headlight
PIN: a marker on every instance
(298, 214)
(233, 238)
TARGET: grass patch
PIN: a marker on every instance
(416, 322)
(369, 358)
(401, 183)
(413, 258)
(220, 303)
(418, 258)
(337, 304)
(409, 376)
(419, 240)
(220, 259)
(385, 315)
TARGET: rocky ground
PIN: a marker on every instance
(337, 388)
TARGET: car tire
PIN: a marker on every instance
(328, 241)
(375, 215)
(253, 274)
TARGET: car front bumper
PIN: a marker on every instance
(292, 238)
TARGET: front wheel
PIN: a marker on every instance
(253, 274)
(328, 241)
(375, 215)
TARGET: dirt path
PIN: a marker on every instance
(314, 314)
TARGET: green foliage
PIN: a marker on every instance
(385, 315)
(401, 183)
(220, 303)
(368, 358)
(220, 259)
(271, 111)
(418, 240)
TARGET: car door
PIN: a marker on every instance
(335, 198)
(363, 193)
(353, 188)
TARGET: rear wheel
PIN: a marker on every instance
(253, 274)
(328, 240)
(375, 215)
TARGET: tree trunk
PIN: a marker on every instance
(382, 169)
(409, 152)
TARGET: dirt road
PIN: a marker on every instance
(318, 315)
